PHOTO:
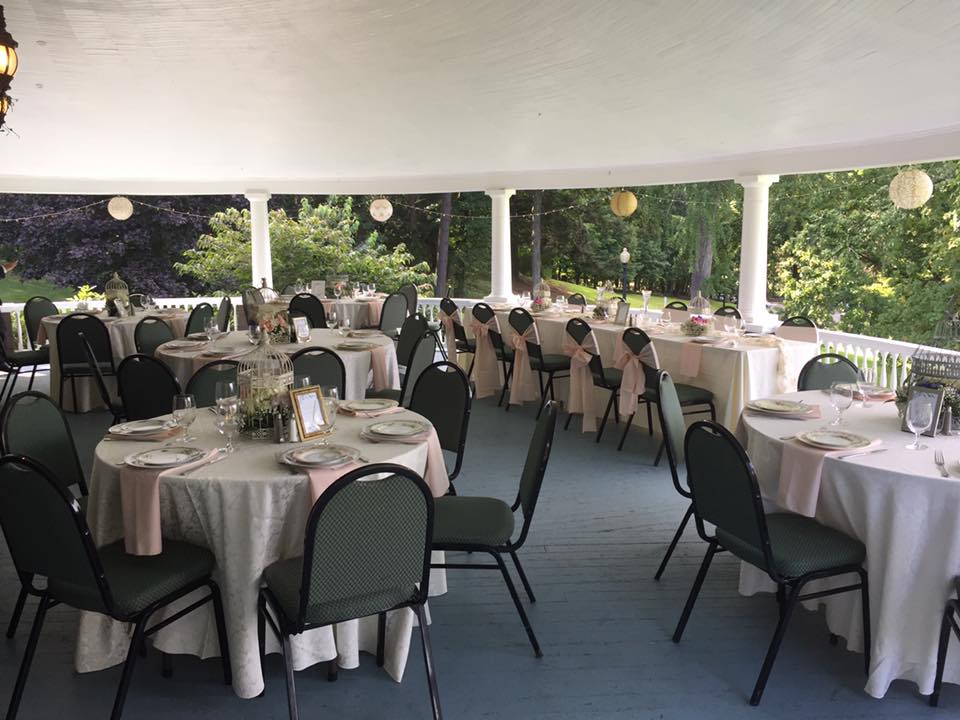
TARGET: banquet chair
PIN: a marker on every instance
(73, 332)
(798, 328)
(34, 310)
(798, 321)
(423, 355)
(203, 384)
(608, 378)
(484, 313)
(409, 291)
(791, 549)
(366, 551)
(114, 406)
(676, 305)
(310, 306)
(442, 395)
(950, 614)
(224, 313)
(697, 400)
(199, 316)
(551, 364)
(146, 387)
(151, 333)
(413, 328)
(105, 580)
(33, 425)
(13, 363)
(727, 311)
(289, 289)
(465, 345)
(821, 372)
(322, 366)
(137, 300)
(577, 299)
(392, 315)
(485, 525)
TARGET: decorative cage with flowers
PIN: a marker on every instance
(541, 297)
(117, 294)
(700, 305)
(264, 377)
(274, 320)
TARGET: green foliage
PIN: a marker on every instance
(86, 292)
(321, 240)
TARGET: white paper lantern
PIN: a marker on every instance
(381, 209)
(623, 203)
(911, 189)
(120, 208)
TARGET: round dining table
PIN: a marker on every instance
(250, 510)
(896, 502)
(122, 343)
(185, 357)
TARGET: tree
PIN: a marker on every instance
(443, 244)
(535, 237)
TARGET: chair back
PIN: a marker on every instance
(146, 386)
(538, 454)
(798, 328)
(673, 426)
(151, 333)
(450, 308)
(798, 321)
(367, 544)
(423, 355)
(484, 313)
(47, 534)
(70, 350)
(409, 291)
(521, 320)
(224, 313)
(203, 384)
(95, 370)
(727, 311)
(288, 289)
(636, 340)
(310, 306)
(322, 366)
(251, 298)
(723, 485)
(442, 395)
(676, 305)
(577, 299)
(393, 313)
(137, 300)
(412, 330)
(199, 316)
(822, 371)
(34, 310)
(33, 426)
(579, 331)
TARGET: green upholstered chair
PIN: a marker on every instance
(484, 313)
(608, 378)
(821, 372)
(392, 315)
(424, 351)
(203, 384)
(146, 386)
(309, 306)
(442, 395)
(197, 322)
(950, 614)
(695, 400)
(412, 329)
(549, 364)
(105, 580)
(34, 310)
(366, 551)
(76, 334)
(96, 374)
(323, 367)
(486, 525)
(224, 313)
(577, 299)
(151, 333)
(727, 311)
(791, 549)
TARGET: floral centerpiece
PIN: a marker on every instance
(541, 297)
(600, 311)
(264, 379)
(695, 326)
(274, 321)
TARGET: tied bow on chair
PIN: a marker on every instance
(521, 389)
(485, 373)
(581, 397)
(634, 381)
(448, 321)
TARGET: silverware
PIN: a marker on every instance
(207, 464)
(940, 463)
(861, 452)
(787, 437)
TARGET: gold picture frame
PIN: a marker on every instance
(310, 412)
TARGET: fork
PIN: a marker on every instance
(940, 463)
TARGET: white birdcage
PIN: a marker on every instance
(699, 305)
(116, 289)
(264, 376)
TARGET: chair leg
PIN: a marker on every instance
(381, 634)
(27, 658)
(673, 543)
(694, 591)
(288, 669)
(33, 374)
(569, 418)
(73, 385)
(333, 669)
(942, 654)
(649, 419)
(13, 385)
(656, 460)
(507, 377)
(865, 612)
(518, 604)
(713, 412)
(135, 642)
(60, 392)
(222, 633)
(616, 406)
(775, 644)
(606, 414)
(626, 429)
(523, 576)
(17, 612)
(428, 661)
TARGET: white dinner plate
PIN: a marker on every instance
(218, 352)
(827, 439)
(356, 346)
(364, 333)
(369, 405)
(143, 427)
(198, 336)
(166, 457)
(181, 345)
(320, 456)
(779, 407)
(397, 428)
(704, 340)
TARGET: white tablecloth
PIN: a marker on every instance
(356, 311)
(897, 504)
(356, 363)
(250, 511)
(122, 341)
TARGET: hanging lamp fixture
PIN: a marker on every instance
(8, 65)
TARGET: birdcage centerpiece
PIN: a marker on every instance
(700, 305)
(264, 377)
(117, 296)
(937, 365)
(541, 297)
(274, 321)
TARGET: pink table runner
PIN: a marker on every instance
(374, 309)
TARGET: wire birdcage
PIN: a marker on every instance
(699, 305)
(116, 289)
(264, 377)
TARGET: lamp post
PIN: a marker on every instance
(624, 259)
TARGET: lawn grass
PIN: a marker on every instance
(635, 299)
(14, 290)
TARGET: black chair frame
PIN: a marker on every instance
(727, 311)
(95, 366)
(499, 348)
(798, 321)
(577, 299)
(316, 350)
(676, 305)
(97, 375)
(579, 330)
(536, 353)
(198, 310)
(950, 614)
(805, 370)
(448, 366)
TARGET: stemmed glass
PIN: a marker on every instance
(841, 397)
(301, 381)
(303, 332)
(332, 321)
(329, 398)
(869, 376)
(338, 290)
(184, 413)
(373, 288)
(646, 300)
(226, 422)
(345, 326)
(919, 418)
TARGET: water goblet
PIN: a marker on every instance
(646, 300)
(225, 391)
(330, 397)
(301, 381)
(184, 413)
(226, 421)
(373, 288)
(345, 326)
(919, 417)
(841, 397)
(332, 321)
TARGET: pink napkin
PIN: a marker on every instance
(800, 469)
(385, 377)
(320, 480)
(372, 413)
(435, 474)
(813, 414)
(374, 308)
(580, 399)
(634, 380)
(153, 437)
(690, 356)
(486, 376)
(521, 384)
(140, 501)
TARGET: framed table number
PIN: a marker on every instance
(934, 396)
(310, 412)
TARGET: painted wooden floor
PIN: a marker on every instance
(603, 522)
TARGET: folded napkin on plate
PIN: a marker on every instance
(435, 474)
(371, 413)
(800, 469)
(813, 413)
(151, 437)
(140, 501)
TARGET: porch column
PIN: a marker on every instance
(753, 251)
(501, 275)
(261, 262)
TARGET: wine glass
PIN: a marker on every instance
(225, 391)
(303, 332)
(332, 321)
(646, 300)
(226, 420)
(373, 288)
(865, 381)
(919, 418)
(184, 413)
(330, 398)
(253, 332)
(301, 381)
(345, 326)
(841, 397)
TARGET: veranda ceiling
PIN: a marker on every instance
(316, 96)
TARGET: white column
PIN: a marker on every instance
(501, 275)
(261, 262)
(753, 251)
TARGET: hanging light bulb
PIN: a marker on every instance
(911, 189)
(8, 65)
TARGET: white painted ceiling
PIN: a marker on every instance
(432, 95)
